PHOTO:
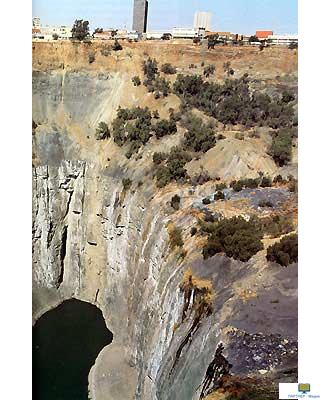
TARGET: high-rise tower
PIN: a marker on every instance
(203, 20)
(140, 16)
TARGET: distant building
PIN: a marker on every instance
(262, 35)
(156, 34)
(140, 16)
(224, 35)
(63, 32)
(187, 33)
(107, 35)
(283, 40)
(203, 20)
(36, 23)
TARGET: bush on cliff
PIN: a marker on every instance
(284, 252)
(175, 202)
(168, 68)
(102, 131)
(170, 166)
(236, 237)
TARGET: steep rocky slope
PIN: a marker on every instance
(95, 241)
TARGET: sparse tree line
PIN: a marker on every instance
(237, 238)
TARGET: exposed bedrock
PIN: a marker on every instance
(98, 243)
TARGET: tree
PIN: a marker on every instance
(287, 97)
(209, 70)
(117, 46)
(127, 183)
(168, 68)
(164, 128)
(212, 40)
(293, 45)
(102, 131)
(98, 30)
(236, 237)
(150, 69)
(284, 252)
(91, 57)
(136, 81)
(175, 202)
(253, 38)
(55, 36)
(80, 29)
(227, 68)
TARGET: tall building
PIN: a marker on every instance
(203, 20)
(140, 16)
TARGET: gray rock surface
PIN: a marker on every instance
(93, 241)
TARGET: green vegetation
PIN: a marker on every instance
(80, 30)
(209, 70)
(212, 40)
(284, 252)
(117, 46)
(34, 126)
(168, 68)
(133, 127)
(254, 38)
(200, 136)
(227, 68)
(106, 51)
(175, 235)
(175, 202)
(293, 45)
(281, 147)
(220, 186)
(233, 102)
(206, 201)
(245, 184)
(127, 183)
(170, 166)
(136, 81)
(193, 231)
(91, 57)
(278, 179)
(155, 114)
(150, 69)
(236, 237)
(265, 204)
(55, 36)
(287, 97)
(266, 182)
(239, 135)
(276, 226)
(164, 128)
(102, 131)
(219, 196)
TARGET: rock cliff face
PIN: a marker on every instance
(94, 241)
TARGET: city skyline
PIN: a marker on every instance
(245, 16)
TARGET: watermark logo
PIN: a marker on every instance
(304, 387)
(289, 391)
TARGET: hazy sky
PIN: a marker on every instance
(241, 16)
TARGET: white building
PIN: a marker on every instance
(63, 32)
(203, 20)
(284, 40)
(185, 33)
(156, 34)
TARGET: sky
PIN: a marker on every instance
(239, 16)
